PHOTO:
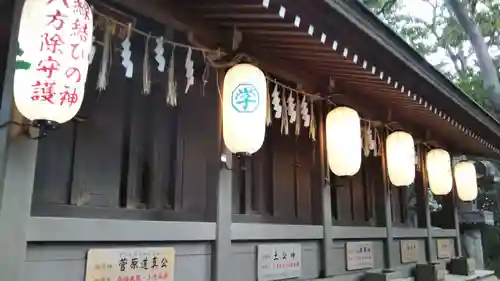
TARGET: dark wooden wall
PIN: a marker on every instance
(134, 152)
(353, 197)
(279, 182)
(135, 157)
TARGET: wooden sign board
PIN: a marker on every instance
(409, 251)
(444, 248)
(279, 261)
(359, 255)
(130, 264)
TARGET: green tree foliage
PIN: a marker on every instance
(439, 34)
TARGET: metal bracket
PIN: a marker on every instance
(226, 159)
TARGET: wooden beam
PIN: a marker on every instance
(178, 15)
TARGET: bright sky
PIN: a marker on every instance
(418, 8)
(423, 10)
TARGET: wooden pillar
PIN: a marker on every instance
(326, 200)
(456, 220)
(222, 249)
(17, 170)
(387, 205)
(221, 252)
(422, 185)
(15, 206)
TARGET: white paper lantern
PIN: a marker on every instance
(438, 164)
(466, 181)
(244, 108)
(55, 39)
(400, 152)
(343, 141)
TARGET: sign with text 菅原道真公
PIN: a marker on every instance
(130, 264)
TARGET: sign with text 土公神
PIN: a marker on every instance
(279, 261)
(130, 264)
(359, 255)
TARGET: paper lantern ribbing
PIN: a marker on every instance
(55, 39)
(400, 153)
(438, 164)
(343, 141)
(466, 181)
(244, 108)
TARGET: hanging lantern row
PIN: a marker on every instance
(244, 127)
(51, 71)
(58, 31)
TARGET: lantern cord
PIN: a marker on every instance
(216, 66)
(206, 53)
(173, 43)
(211, 56)
(284, 86)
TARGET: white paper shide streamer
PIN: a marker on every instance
(160, 58)
(276, 101)
(189, 70)
(126, 54)
(371, 140)
(304, 112)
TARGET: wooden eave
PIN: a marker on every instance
(374, 70)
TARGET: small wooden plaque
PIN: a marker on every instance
(130, 264)
(409, 251)
(359, 255)
(444, 248)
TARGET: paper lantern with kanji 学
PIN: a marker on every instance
(55, 39)
(244, 101)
